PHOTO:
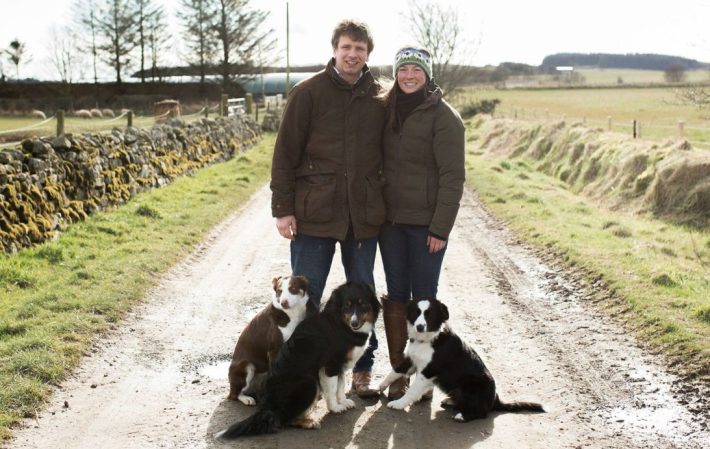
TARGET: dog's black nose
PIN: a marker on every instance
(421, 328)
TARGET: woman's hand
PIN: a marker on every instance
(435, 245)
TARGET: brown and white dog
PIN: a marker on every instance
(262, 338)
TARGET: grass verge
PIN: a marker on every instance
(655, 274)
(55, 298)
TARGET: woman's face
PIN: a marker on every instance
(410, 78)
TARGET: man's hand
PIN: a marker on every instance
(435, 245)
(287, 226)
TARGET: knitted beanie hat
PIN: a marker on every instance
(412, 55)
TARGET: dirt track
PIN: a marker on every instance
(160, 381)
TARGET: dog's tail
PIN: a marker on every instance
(517, 406)
(263, 421)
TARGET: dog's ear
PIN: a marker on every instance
(444, 311)
(332, 303)
(276, 283)
(374, 302)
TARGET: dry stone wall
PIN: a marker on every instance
(48, 182)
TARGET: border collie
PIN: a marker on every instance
(441, 358)
(262, 338)
(321, 349)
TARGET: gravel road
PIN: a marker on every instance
(160, 380)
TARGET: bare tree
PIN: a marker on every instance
(63, 53)
(157, 39)
(85, 13)
(698, 96)
(116, 23)
(240, 35)
(198, 19)
(674, 74)
(17, 53)
(439, 29)
(145, 11)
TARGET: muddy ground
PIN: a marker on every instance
(160, 380)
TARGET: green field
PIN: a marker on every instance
(8, 125)
(610, 77)
(656, 109)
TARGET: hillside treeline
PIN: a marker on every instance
(618, 61)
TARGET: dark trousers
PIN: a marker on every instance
(410, 271)
(312, 257)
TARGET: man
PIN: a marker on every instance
(326, 177)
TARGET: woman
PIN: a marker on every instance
(424, 175)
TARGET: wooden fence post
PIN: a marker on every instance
(129, 119)
(60, 122)
(207, 108)
(633, 131)
(249, 101)
(681, 125)
(608, 122)
(223, 105)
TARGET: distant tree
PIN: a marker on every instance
(240, 35)
(157, 39)
(440, 29)
(85, 13)
(63, 52)
(17, 53)
(198, 19)
(116, 24)
(145, 11)
(675, 73)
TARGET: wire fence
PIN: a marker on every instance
(698, 136)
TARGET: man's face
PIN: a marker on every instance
(350, 56)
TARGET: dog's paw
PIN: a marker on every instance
(247, 400)
(349, 403)
(397, 405)
(306, 423)
(448, 402)
(459, 417)
(338, 408)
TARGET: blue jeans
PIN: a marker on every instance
(410, 271)
(312, 257)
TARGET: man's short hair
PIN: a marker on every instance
(357, 31)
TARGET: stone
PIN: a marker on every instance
(61, 142)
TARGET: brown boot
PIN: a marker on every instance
(394, 314)
(361, 385)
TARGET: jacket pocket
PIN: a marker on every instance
(315, 197)
(375, 211)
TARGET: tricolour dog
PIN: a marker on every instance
(321, 349)
(441, 358)
(263, 337)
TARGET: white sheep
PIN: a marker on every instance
(82, 113)
(38, 114)
(108, 112)
(96, 113)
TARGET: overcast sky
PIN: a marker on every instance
(506, 30)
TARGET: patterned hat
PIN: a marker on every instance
(412, 55)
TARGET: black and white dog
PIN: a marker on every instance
(441, 358)
(321, 349)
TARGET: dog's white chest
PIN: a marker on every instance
(294, 320)
(356, 353)
(420, 353)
